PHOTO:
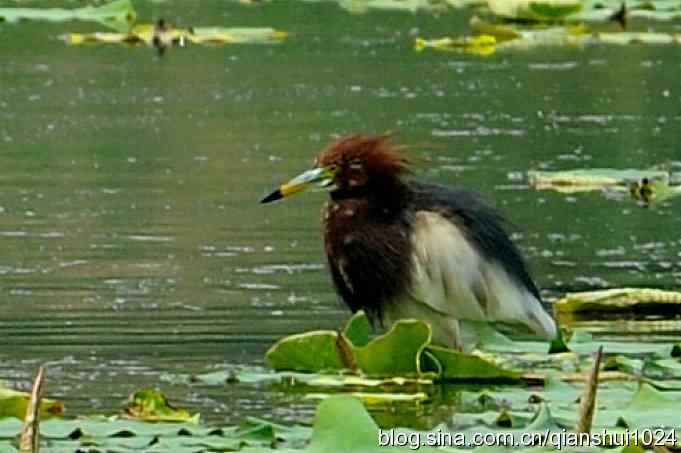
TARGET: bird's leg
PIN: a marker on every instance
(447, 333)
(455, 335)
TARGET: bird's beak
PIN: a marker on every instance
(322, 175)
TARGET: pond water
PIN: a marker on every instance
(134, 248)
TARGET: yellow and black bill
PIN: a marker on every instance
(323, 176)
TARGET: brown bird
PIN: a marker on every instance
(400, 249)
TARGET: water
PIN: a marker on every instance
(134, 247)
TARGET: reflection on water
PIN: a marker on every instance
(133, 244)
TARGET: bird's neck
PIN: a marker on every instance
(347, 193)
(389, 194)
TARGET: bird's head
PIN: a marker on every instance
(354, 164)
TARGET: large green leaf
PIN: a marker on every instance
(583, 10)
(152, 405)
(403, 351)
(603, 10)
(619, 300)
(149, 35)
(582, 342)
(461, 366)
(493, 39)
(311, 351)
(410, 6)
(396, 353)
(554, 10)
(119, 14)
(579, 180)
(119, 435)
(358, 330)
(549, 10)
(651, 408)
(343, 425)
(13, 404)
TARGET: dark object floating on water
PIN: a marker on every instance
(163, 37)
(642, 191)
(620, 16)
(402, 249)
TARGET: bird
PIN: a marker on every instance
(164, 36)
(643, 190)
(399, 249)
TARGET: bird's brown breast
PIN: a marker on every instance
(368, 252)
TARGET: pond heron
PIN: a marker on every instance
(398, 248)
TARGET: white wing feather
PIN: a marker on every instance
(453, 282)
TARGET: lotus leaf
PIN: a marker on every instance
(494, 38)
(342, 424)
(457, 365)
(309, 379)
(152, 405)
(396, 352)
(13, 404)
(479, 45)
(535, 9)
(119, 15)
(311, 351)
(591, 179)
(149, 35)
(412, 6)
(584, 10)
(358, 329)
(403, 351)
(618, 300)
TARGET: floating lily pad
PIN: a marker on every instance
(663, 369)
(396, 353)
(479, 45)
(342, 423)
(378, 399)
(553, 10)
(403, 351)
(461, 366)
(150, 35)
(358, 329)
(331, 381)
(311, 351)
(492, 38)
(411, 6)
(652, 10)
(119, 15)
(584, 10)
(650, 407)
(591, 179)
(540, 10)
(13, 404)
(623, 363)
(500, 32)
(357, 433)
(152, 405)
(113, 434)
(235, 35)
(619, 300)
